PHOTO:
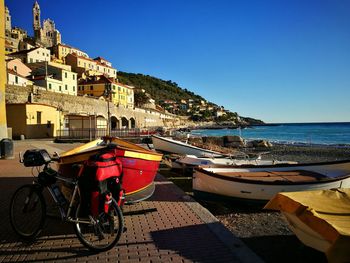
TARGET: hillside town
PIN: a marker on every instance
(54, 89)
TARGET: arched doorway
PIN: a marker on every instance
(125, 123)
(101, 126)
(114, 123)
(132, 123)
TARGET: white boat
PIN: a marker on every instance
(169, 145)
(261, 183)
(192, 161)
(320, 219)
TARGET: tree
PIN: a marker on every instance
(140, 98)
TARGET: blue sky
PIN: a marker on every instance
(279, 61)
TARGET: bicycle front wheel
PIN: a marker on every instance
(27, 211)
(99, 233)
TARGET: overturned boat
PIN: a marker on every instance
(139, 165)
(168, 145)
(260, 183)
(320, 219)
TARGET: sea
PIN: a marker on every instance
(332, 134)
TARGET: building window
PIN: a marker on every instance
(50, 86)
(73, 76)
(73, 88)
(31, 60)
(59, 88)
(38, 117)
(15, 68)
(65, 74)
(16, 79)
(91, 87)
(66, 87)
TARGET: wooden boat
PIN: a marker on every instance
(261, 183)
(320, 219)
(139, 165)
(192, 161)
(169, 145)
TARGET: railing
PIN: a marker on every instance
(91, 134)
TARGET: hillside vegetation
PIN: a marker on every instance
(159, 89)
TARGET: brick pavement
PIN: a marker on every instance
(169, 227)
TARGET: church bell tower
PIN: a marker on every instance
(36, 20)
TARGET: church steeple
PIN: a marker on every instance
(36, 16)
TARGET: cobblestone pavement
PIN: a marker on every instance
(169, 227)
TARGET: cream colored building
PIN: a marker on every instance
(34, 55)
(33, 120)
(60, 51)
(55, 77)
(14, 78)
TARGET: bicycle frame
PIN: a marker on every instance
(66, 215)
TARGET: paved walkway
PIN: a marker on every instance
(169, 227)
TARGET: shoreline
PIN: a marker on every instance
(264, 231)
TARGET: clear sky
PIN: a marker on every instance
(279, 61)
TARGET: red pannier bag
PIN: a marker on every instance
(100, 180)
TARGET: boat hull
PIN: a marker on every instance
(320, 219)
(172, 146)
(191, 160)
(230, 182)
(140, 167)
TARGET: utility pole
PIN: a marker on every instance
(107, 95)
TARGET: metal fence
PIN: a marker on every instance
(91, 134)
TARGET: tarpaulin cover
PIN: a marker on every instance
(327, 212)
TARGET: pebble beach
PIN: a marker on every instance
(266, 232)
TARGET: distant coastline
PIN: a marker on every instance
(298, 123)
(327, 134)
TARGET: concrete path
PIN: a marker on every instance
(169, 227)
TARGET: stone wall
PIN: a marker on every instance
(79, 105)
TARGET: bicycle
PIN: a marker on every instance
(28, 207)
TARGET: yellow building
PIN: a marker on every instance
(3, 126)
(96, 86)
(60, 51)
(33, 120)
(91, 67)
(125, 95)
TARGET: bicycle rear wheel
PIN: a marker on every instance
(100, 233)
(27, 211)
